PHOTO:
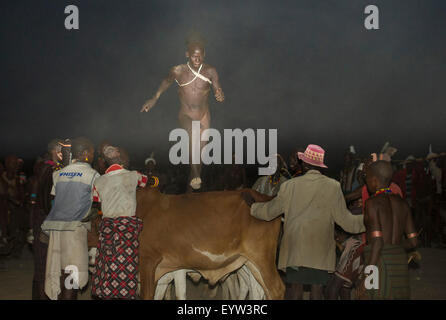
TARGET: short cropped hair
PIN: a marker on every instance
(79, 145)
(195, 39)
(383, 171)
(115, 155)
(55, 144)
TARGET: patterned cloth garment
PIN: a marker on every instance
(351, 262)
(115, 275)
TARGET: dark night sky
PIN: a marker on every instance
(308, 68)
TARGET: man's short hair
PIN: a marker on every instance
(310, 166)
(115, 155)
(383, 171)
(79, 145)
(55, 145)
(195, 39)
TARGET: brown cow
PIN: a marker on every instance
(212, 233)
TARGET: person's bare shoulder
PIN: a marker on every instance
(178, 69)
(378, 203)
(400, 203)
(373, 202)
(208, 69)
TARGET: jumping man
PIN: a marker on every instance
(194, 80)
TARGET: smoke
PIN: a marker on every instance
(308, 69)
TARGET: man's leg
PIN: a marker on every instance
(39, 251)
(334, 287)
(195, 169)
(345, 293)
(294, 291)
(186, 124)
(66, 294)
(316, 292)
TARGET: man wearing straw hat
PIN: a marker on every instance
(311, 204)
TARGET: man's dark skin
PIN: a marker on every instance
(41, 186)
(387, 213)
(194, 104)
(349, 165)
(15, 197)
(357, 193)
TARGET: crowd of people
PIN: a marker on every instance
(376, 212)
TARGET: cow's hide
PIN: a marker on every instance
(212, 234)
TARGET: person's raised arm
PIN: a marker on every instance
(165, 84)
(354, 195)
(218, 91)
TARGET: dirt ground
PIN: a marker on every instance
(427, 282)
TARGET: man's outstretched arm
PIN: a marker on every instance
(165, 84)
(265, 210)
(218, 91)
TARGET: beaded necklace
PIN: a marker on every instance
(56, 165)
(270, 178)
(383, 190)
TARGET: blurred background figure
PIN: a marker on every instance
(348, 174)
(14, 193)
(270, 185)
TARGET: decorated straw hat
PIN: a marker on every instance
(313, 155)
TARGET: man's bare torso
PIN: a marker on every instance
(393, 213)
(194, 101)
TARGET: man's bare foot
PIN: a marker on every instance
(195, 183)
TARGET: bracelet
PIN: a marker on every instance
(376, 234)
(156, 183)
